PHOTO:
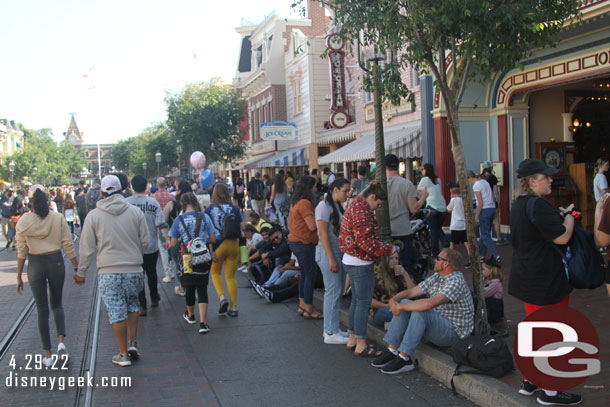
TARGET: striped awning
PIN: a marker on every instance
(403, 140)
(251, 163)
(294, 157)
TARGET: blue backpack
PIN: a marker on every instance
(584, 264)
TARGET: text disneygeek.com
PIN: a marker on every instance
(15, 380)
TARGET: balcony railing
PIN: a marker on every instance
(584, 4)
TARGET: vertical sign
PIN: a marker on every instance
(339, 117)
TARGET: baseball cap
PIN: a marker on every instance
(391, 160)
(492, 262)
(111, 184)
(487, 164)
(138, 183)
(533, 166)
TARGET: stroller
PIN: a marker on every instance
(420, 263)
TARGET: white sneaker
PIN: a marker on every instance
(167, 279)
(178, 292)
(335, 339)
(48, 362)
(243, 268)
(62, 351)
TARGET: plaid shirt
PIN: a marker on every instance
(163, 197)
(460, 309)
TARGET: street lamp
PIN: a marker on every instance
(158, 160)
(179, 151)
(144, 166)
(11, 168)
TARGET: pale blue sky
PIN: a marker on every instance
(138, 48)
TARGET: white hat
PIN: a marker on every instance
(33, 189)
(111, 184)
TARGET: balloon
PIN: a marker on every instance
(198, 160)
(206, 178)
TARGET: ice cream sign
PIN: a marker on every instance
(278, 130)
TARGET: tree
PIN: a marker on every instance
(457, 41)
(206, 117)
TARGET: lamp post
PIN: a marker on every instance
(144, 166)
(11, 168)
(158, 160)
(179, 151)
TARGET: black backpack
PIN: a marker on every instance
(231, 226)
(258, 190)
(585, 264)
(488, 354)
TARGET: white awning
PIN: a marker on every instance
(294, 157)
(337, 135)
(252, 161)
(403, 140)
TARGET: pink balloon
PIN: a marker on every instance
(198, 160)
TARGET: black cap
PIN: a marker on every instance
(492, 262)
(391, 160)
(533, 166)
(138, 183)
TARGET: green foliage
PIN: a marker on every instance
(206, 117)
(43, 160)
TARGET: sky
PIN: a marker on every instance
(111, 62)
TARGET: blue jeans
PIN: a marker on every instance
(408, 328)
(382, 315)
(435, 221)
(486, 222)
(278, 278)
(362, 281)
(406, 253)
(334, 283)
(306, 254)
(286, 276)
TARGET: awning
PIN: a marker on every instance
(294, 157)
(403, 140)
(251, 163)
(337, 135)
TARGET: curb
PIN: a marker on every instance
(482, 390)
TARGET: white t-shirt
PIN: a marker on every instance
(600, 182)
(256, 239)
(435, 199)
(354, 261)
(483, 187)
(458, 220)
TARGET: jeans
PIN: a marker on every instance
(362, 281)
(150, 270)
(174, 254)
(334, 283)
(406, 253)
(306, 254)
(42, 270)
(164, 258)
(382, 315)
(486, 222)
(278, 278)
(408, 328)
(435, 221)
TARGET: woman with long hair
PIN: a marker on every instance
(69, 211)
(600, 182)
(279, 193)
(239, 192)
(40, 236)
(60, 195)
(226, 250)
(361, 245)
(437, 204)
(302, 239)
(329, 214)
(190, 224)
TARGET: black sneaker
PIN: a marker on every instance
(224, 307)
(268, 295)
(398, 365)
(7, 244)
(498, 259)
(203, 328)
(189, 320)
(384, 359)
(468, 265)
(562, 398)
(527, 388)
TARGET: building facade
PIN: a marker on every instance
(98, 156)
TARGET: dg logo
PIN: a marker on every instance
(557, 348)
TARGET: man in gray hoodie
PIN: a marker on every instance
(117, 232)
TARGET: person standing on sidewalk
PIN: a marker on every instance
(81, 206)
(329, 214)
(117, 233)
(538, 277)
(40, 237)
(485, 214)
(436, 203)
(164, 197)
(256, 192)
(600, 182)
(7, 225)
(156, 224)
(225, 249)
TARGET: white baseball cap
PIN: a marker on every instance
(111, 184)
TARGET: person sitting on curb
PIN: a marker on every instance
(286, 286)
(255, 220)
(444, 317)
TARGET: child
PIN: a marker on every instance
(458, 221)
(493, 290)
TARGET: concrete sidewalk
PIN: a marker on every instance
(488, 391)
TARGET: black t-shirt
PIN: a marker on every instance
(538, 274)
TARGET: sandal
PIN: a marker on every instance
(369, 352)
(352, 348)
(301, 311)
(312, 315)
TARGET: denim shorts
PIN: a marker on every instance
(120, 294)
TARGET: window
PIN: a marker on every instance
(259, 56)
(368, 97)
(415, 78)
(269, 41)
(296, 95)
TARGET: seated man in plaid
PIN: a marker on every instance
(445, 316)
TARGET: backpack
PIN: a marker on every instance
(258, 190)
(17, 208)
(196, 247)
(240, 189)
(488, 354)
(93, 195)
(69, 215)
(230, 225)
(583, 262)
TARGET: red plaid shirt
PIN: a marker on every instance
(359, 235)
(163, 197)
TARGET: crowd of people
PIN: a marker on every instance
(299, 234)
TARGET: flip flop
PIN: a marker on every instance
(300, 311)
(369, 352)
(312, 315)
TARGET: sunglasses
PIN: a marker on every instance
(439, 258)
(277, 238)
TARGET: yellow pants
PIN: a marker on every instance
(228, 255)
